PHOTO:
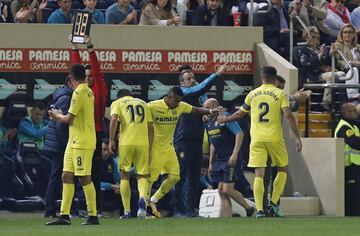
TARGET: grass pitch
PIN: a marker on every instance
(35, 225)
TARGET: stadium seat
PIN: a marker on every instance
(12, 194)
(14, 112)
(189, 16)
(33, 169)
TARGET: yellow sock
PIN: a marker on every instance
(125, 194)
(148, 193)
(67, 197)
(90, 196)
(165, 187)
(259, 193)
(143, 187)
(278, 186)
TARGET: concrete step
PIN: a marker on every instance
(300, 206)
(317, 133)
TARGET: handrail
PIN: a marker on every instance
(292, 35)
(347, 63)
(306, 30)
(334, 86)
(331, 85)
(251, 11)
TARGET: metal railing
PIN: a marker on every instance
(347, 63)
(251, 11)
(292, 35)
(334, 87)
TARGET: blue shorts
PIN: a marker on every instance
(221, 172)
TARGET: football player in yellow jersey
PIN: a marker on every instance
(80, 147)
(165, 114)
(266, 104)
(135, 141)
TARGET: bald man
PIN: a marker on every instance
(348, 128)
(225, 142)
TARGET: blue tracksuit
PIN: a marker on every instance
(222, 136)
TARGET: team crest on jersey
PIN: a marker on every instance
(173, 112)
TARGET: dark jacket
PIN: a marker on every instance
(57, 134)
(271, 23)
(191, 126)
(9, 18)
(202, 16)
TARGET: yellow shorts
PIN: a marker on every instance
(134, 154)
(78, 161)
(163, 162)
(259, 152)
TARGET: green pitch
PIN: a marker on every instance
(28, 225)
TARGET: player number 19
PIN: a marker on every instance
(137, 111)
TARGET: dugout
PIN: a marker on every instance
(34, 59)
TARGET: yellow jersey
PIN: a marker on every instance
(134, 116)
(82, 133)
(265, 104)
(165, 120)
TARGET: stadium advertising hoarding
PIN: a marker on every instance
(35, 73)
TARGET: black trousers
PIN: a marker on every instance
(96, 168)
(55, 183)
(352, 190)
(190, 159)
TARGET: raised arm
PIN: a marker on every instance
(205, 85)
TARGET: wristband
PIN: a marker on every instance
(211, 111)
(90, 46)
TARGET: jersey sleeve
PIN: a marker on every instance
(284, 101)
(148, 113)
(246, 106)
(150, 107)
(113, 108)
(185, 107)
(76, 103)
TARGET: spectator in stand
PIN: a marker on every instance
(56, 138)
(62, 15)
(355, 18)
(338, 15)
(210, 14)
(313, 13)
(276, 27)
(6, 138)
(32, 128)
(5, 14)
(158, 12)
(25, 11)
(313, 62)
(347, 44)
(121, 12)
(178, 8)
(97, 15)
(95, 80)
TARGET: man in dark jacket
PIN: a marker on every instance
(276, 27)
(209, 14)
(188, 139)
(348, 128)
(56, 138)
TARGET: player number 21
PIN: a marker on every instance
(264, 107)
(137, 111)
